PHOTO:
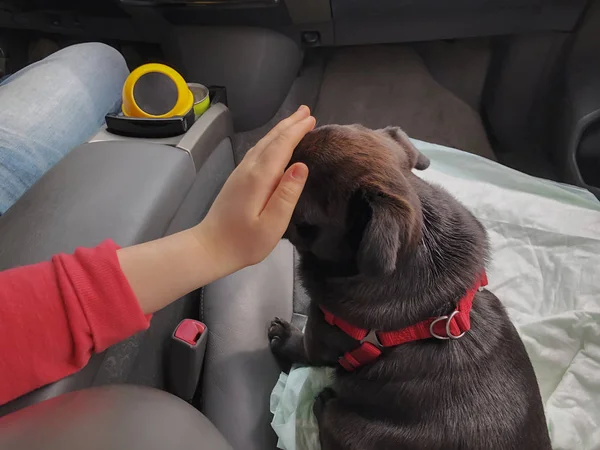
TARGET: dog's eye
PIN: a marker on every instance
(307, 232)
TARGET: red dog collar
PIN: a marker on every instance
(372, 342)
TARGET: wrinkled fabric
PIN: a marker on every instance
(545, 250)
(291, 405)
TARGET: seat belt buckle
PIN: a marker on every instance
(188, 345)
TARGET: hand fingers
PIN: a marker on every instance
(302, 113)
(274, 159)
(276, 156)
(278, 211)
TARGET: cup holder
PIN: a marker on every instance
(160, 128)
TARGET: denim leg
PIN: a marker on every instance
(52, 106)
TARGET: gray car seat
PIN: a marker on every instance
(240, 371)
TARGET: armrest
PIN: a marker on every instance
(127, 191)
(110, 417)
(206, 133)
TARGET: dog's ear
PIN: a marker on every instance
(417, 160)
(379, 224)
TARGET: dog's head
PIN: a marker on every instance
(358, 206)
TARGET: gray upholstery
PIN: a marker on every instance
(208, 182)
(239, 370)
(257, 66)
(112, 417)
(128, 191)
(131, 192)
(79, 380)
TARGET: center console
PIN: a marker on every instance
(130, 190)
(198, 142)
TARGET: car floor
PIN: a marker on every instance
(430, 90)
(391, 85)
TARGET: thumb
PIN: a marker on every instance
(279, 209)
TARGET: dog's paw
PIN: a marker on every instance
(321, 400)
(279, 332)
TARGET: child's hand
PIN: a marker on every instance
(244, 224)
(254, 208)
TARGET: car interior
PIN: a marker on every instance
(509, 80)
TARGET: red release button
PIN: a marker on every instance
(189, 331)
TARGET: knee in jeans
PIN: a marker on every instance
(95, 57)
(102, 69)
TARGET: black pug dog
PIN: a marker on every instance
(394, 267)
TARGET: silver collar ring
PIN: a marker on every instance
(448, 320)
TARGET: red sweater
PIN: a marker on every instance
(54, 315)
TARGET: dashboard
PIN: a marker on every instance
(327, 22)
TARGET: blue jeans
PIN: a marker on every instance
(52, 106)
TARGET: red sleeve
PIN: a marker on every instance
(53, 315)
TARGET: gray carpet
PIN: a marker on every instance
(379, 86)
(460, 66)
(386, 85)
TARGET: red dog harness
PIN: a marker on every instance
(372, 342)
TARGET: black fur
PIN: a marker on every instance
(383, 249)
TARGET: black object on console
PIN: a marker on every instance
(159, 128)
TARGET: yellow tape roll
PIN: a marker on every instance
(156, 91)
